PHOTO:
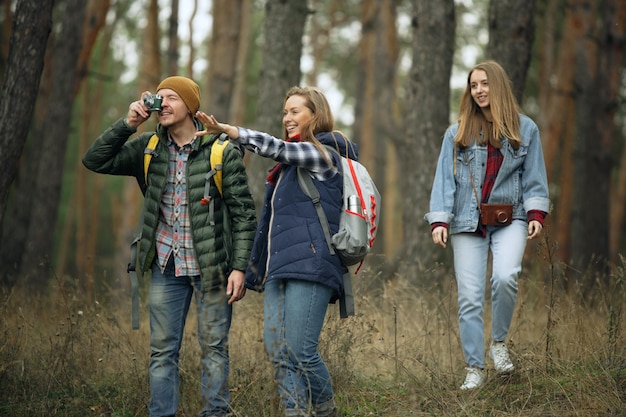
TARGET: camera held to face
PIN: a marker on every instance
(153, 102)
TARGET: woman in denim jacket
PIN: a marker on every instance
(492, 154)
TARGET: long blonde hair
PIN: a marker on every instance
(504, 109)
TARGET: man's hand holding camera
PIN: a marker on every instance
(139, 111)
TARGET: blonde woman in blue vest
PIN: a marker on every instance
(290, 259)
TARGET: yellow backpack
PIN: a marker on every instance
(217, 155)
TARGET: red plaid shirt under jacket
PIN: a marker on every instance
(494, 162)
(173, 236)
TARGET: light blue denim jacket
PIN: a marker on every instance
(521, 181)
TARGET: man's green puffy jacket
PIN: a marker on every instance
(219, 249)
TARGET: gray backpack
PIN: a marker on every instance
(358, 222)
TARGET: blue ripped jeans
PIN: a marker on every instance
(170, 298)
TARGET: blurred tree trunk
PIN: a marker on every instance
(511, 36)
(427, 119)
(192, 49)
(151, 73)
(33, 24)
(375, 98)
(611, 69)
(282, 50)
(90, 112)
(223, 56)
(580, 107)
(238, 102)
(39, 250)
(597, 68)
(5, 35)
(172, 36)
(556, 77)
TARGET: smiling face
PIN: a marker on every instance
(296, 115)
(479, 87)
(174, 110)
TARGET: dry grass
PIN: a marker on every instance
(400, 356)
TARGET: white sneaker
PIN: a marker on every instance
(499, 353)
(474, 379)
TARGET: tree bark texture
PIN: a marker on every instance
(192, 49)
(613, 35)
(375, 94)
(428, 116)
(172, 37)
(238, 102)
(282, 50)
(5, 35)
(580, 80)
(511, 36)
(223, 55)
(598, 56)
(33, 24)
(35, 266)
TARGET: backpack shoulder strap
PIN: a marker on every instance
(307, 186)
(147, 155)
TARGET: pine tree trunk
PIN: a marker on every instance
(427, 119)
(39, 251)
(223, 57)
(511, 35)
(282, 50)
(33, 23)
(375, 97)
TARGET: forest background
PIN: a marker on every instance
(393, 69)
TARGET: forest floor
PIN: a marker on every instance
(399, 356)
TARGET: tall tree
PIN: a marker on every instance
(192, 49)
(49, 174)
(511, 36)
(224, 55)
(597, 58)
(611, 69)
(427, 112)
(172, 35)
(580, 106)
(555, 63)
(238, 100)
(282, 50)
(5, 34)
(33, 23)
(375, 94)
(90, 111)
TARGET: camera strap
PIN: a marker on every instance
(472, 179)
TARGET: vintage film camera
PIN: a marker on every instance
(153, 102)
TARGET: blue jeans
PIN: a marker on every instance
(294, 316)
(170, 297)
(507, 245)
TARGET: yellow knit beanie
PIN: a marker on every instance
(186, 88)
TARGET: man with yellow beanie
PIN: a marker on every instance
(190, 249)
